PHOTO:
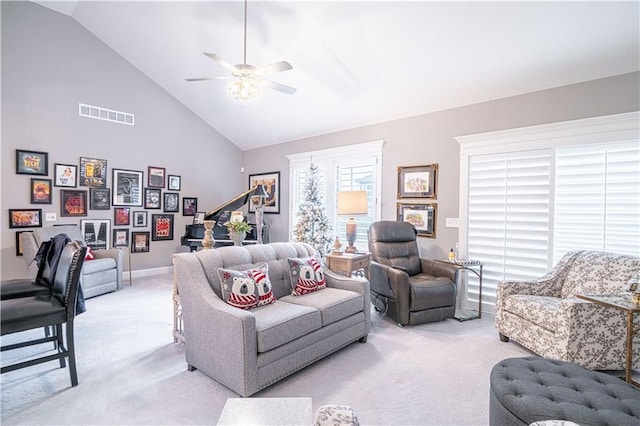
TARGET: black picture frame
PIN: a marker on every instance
(99, 199)
(140, 219)
(161, 227)
(140, 241)
(271, 182)
(65, 175)
(152, 198)
(73, 202)
(418, 181)
(170, 202)
(122, 216)
(93, 172)
(423, 217)
(156, 177)
(174, 182)
(120, 237)
(189, 206)
(19, 251)
(25, 218)
(40, 191)
(96, 233)
(30, 162)
(127, 187)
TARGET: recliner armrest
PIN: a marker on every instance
(439, 269)
(390, 281)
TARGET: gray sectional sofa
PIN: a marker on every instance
(248, 350)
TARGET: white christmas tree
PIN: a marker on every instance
(313, 225)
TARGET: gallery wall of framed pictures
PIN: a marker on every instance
(417, 194)
(86, 189)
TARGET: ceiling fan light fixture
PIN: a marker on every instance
(245, 87)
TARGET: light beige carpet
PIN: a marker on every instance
(131, 372)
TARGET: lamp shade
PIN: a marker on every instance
(260, 191)
(352, 202)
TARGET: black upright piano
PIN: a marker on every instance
(195, 233)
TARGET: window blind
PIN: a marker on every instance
(351, 176)
(508, 225)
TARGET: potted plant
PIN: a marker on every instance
(237, 231)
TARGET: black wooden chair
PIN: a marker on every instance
(54, 310)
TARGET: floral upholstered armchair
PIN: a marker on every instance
(546, 317)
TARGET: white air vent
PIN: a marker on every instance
(99, 113)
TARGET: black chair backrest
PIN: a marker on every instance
(394, 244)
(66, 282)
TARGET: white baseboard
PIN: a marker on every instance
(147, 272)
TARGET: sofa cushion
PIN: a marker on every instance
(98, 265)
(429, 292)
(306, 275)
(540, 310)
(246, 289)
(282, 322)
(596, 272)
(334, 304)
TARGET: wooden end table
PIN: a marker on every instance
(624, 303)
(348, 264)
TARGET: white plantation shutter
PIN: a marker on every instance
(508, 218)
(598, 199)
(353, 176)
(531, 194)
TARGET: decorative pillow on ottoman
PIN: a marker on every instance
(246, 289)
(306, 275)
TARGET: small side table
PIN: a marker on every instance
(348, 263)
(624, 303)
(468, 265)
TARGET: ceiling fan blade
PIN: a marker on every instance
(221, 61)
(280, 87)
(207, 78)
(277, 67)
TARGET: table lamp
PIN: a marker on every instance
(258, 198)
(352, 203)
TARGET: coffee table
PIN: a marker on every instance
(624, 303)
(266, 411)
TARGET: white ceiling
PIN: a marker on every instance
(359, 63)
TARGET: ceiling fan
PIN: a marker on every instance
(247, 79)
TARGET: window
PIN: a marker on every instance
(352, 167)
(530, 195)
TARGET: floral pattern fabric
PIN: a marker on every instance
(544, 316)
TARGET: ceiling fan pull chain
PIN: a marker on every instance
(245, 33)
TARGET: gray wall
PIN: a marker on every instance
(49, 65)
(429, 138)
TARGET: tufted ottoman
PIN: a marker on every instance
(532, 389)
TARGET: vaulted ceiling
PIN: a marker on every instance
(362, 62)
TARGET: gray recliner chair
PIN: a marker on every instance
(99, 276)
(410, 289)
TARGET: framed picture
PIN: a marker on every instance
(140, 242)
(32, 162)
(25, 218)
(93, 172)
(190, 206)
(173, 183)
(127, 188)
(198, 218)
(121, 216)
(152, 198)
(99, 199)
(139, 219)
(73, 202)
(271, 182)
(120, 237)
(19, 251)
(417, 181)
(65, 175)
(156, 177)
(96, 233)
(421, 216)
(171, 202)
(40, 191)
(161, 227)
